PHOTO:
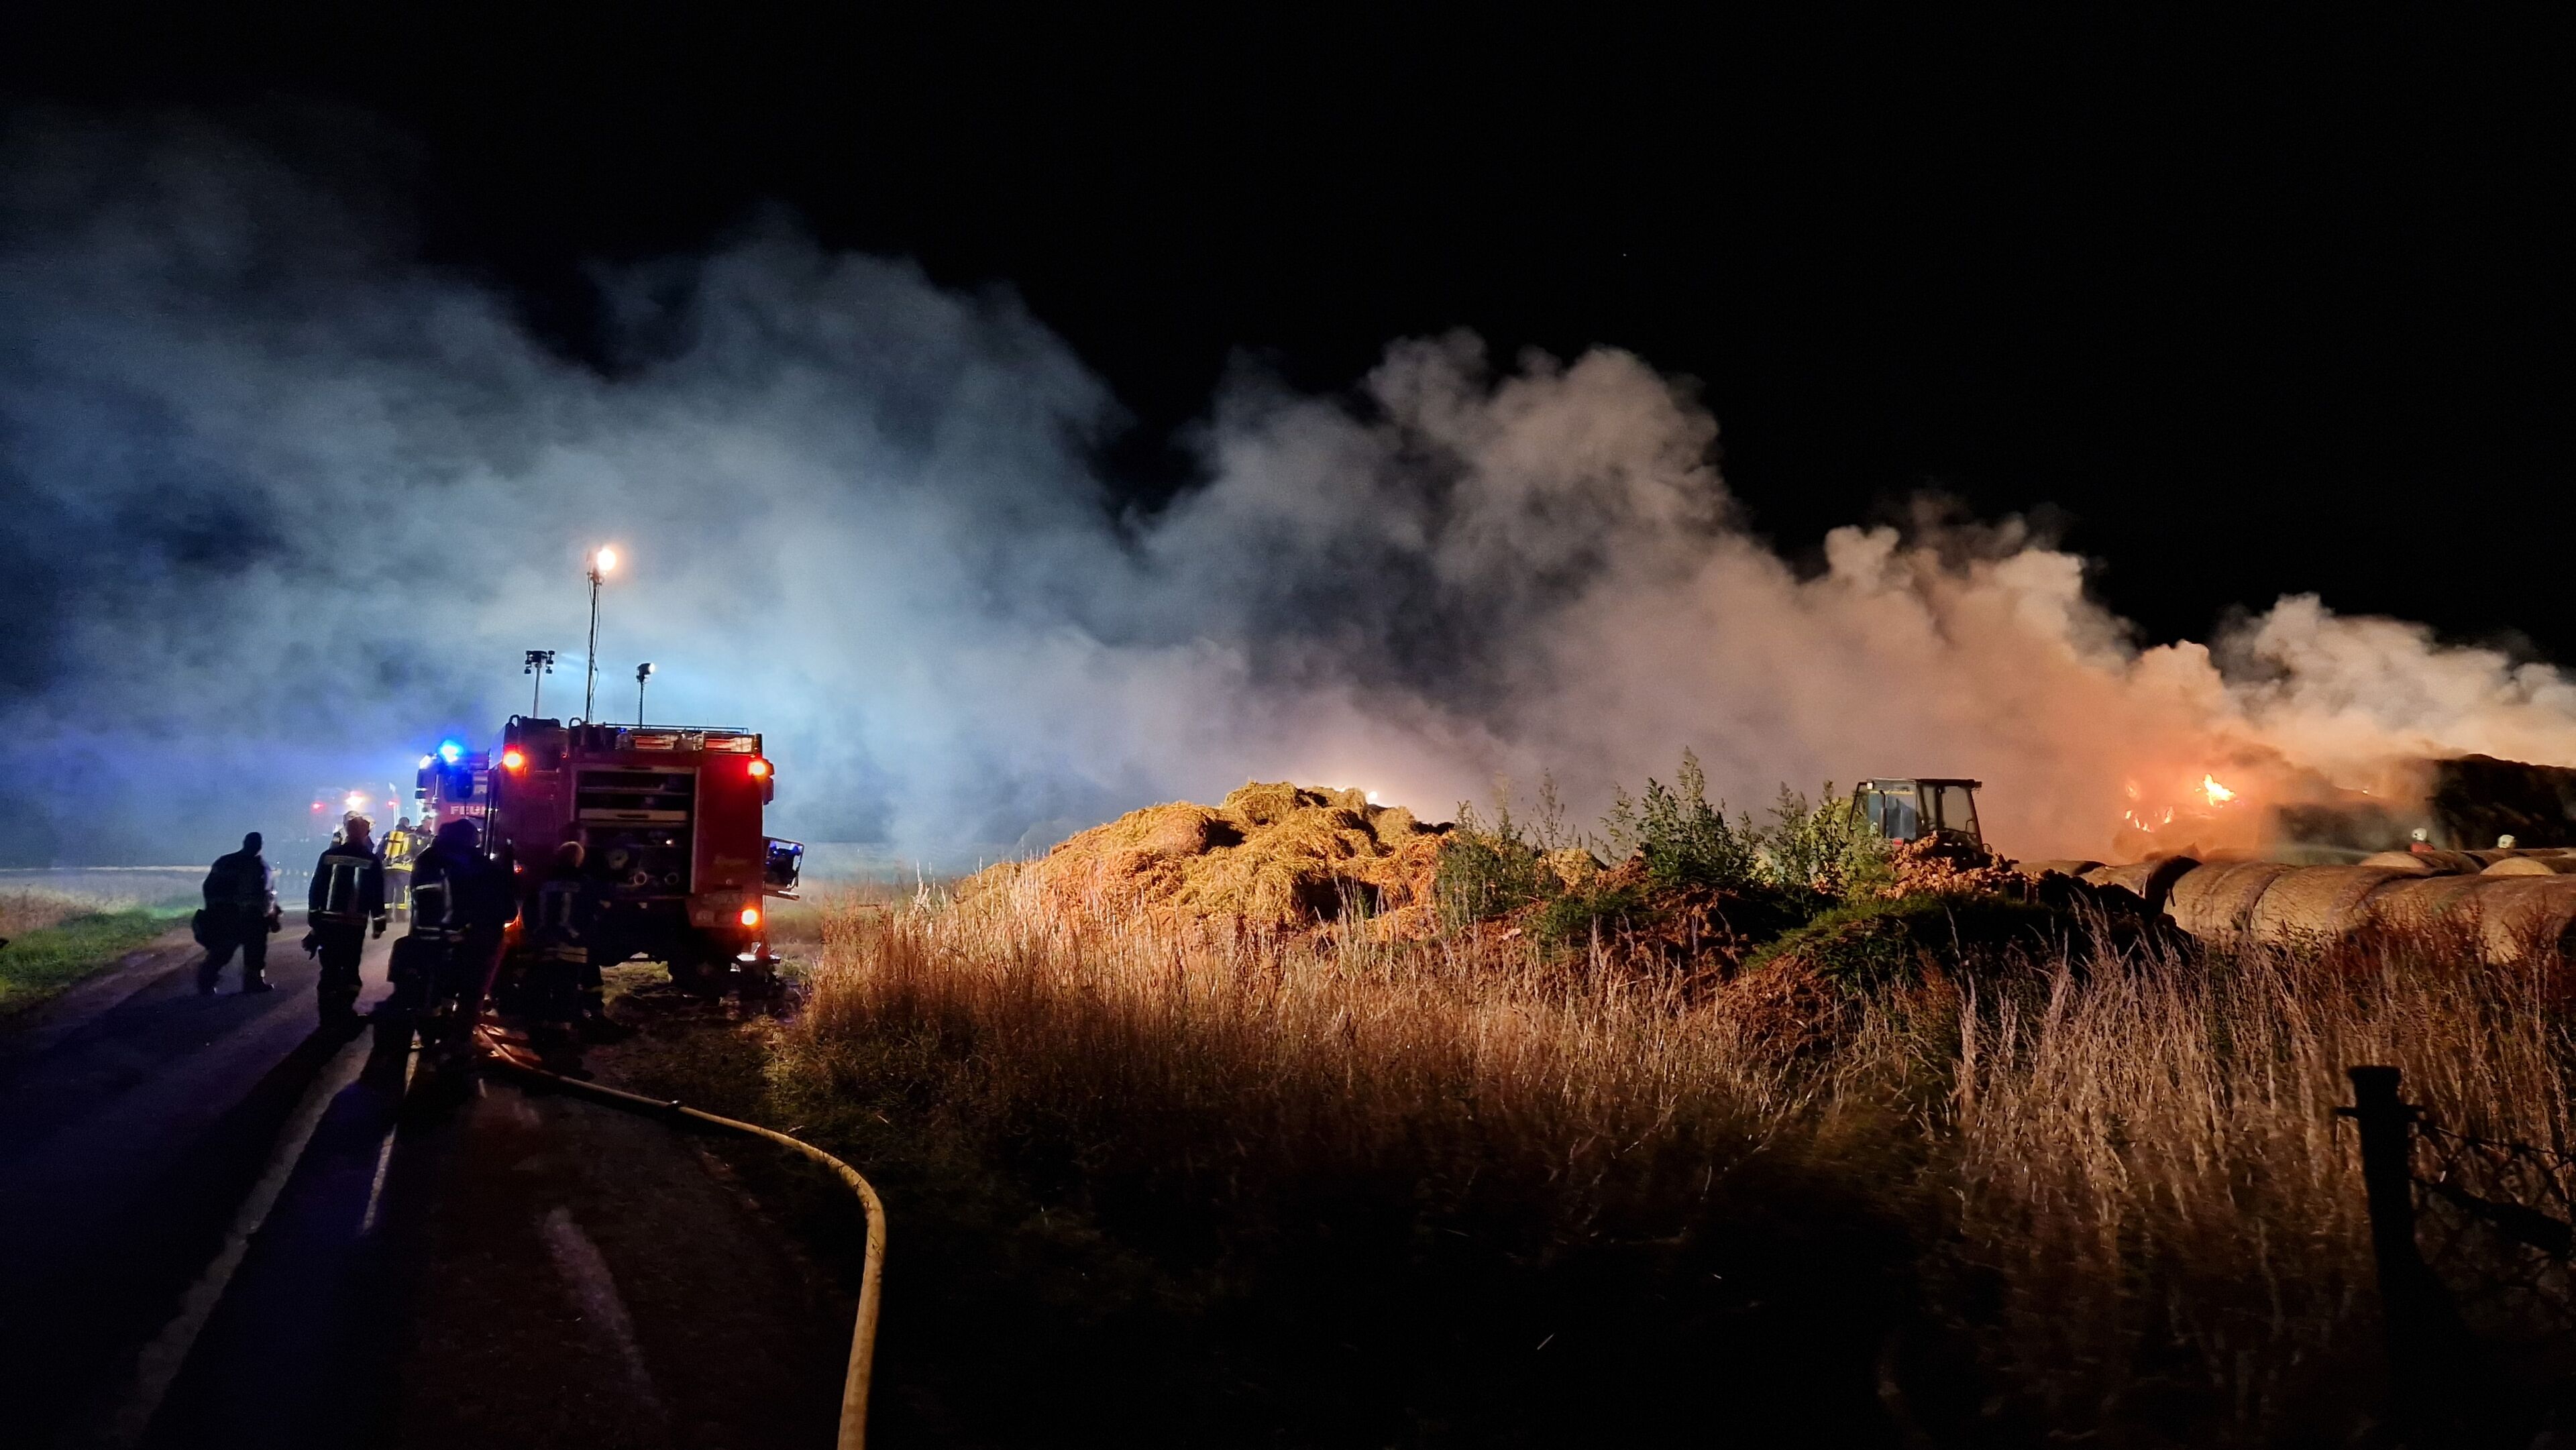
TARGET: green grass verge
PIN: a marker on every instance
(43, 962)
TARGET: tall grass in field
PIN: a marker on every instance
(33, 908)
(2127, 1202)
(54, 937)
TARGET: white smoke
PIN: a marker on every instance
(283, 509)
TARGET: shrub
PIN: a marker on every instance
(1825, 847)
(1685, 841)
(1873, 941)
(1488, 870)
(1578, 917)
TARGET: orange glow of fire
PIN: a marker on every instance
(2219, 795)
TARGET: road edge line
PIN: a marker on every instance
(853, 1433)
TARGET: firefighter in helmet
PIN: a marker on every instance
(461, 905)
(240, 913)
(347, 897)
(402, 846)
(560, 907)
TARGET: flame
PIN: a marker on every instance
(2219, 795)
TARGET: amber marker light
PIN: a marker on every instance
(751, 916)
(513, 760)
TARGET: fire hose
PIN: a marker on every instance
(863, 1336)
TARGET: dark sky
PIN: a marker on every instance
(2260, 305)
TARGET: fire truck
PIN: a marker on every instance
(670, 819)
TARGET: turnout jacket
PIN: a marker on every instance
(237, 885)
(348, 886)
(462, 891)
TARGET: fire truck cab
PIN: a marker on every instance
(670, 819)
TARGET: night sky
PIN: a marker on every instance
(2259, 306)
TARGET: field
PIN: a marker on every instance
(1328, 1188)
(60, 927)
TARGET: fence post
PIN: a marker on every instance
(2409, 1299)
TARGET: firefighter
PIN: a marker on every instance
(462, 903)
(240, 913)
(348, 896)
(562, 902)
(401, 848)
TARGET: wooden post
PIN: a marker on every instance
(2408, 1297)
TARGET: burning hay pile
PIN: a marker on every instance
(1272, 856)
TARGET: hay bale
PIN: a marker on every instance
(2427, 902)
(2416, 863)
(2214, 902)
(1266, 803)
(2151, 880)
(2312, 903)
(2521, 915)
(2075, 868)
(1273, 854)
(2537, 863)
(1573, 867)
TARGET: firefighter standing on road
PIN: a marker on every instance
(402, 847)
(348, 895)
(461, 903)
(561, 903)
(240, 913)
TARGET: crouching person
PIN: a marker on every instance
(348, 897)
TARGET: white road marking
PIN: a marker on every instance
(585, 1270)
(159, 1362)
(385, 1153)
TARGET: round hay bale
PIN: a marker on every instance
(2422, 863)
(2151, 880)
(2535, 863)
(2426, 902)
(2523, 914)
(2310, 903)
(2062, 868)
(2214, 903)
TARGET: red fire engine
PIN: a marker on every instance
(669, 815)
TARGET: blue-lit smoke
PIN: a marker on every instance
(280, 509)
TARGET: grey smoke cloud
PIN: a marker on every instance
(283, 507)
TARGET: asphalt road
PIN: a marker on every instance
(223, 1227)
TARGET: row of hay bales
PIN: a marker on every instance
(2514, 901)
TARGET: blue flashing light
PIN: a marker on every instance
(450, 751)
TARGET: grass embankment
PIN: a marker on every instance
(1175, 1184)
(56, 938)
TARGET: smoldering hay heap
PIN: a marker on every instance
(1271, 856)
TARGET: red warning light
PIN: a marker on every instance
(759, 768)
(513, 760)
(751, 916)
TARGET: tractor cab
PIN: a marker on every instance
(1909, 810)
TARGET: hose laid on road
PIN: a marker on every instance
(863, 1337)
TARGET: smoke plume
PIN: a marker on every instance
(284, 507)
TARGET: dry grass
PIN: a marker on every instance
(33, 908)
(2148, 1158)
(55, 936)
(2125, 1202)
